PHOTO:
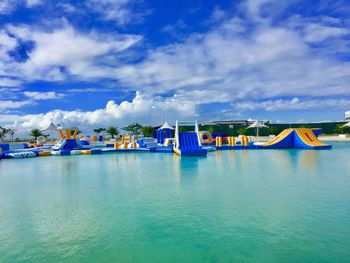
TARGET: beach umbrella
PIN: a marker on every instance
(257, 125)
(346, 125)
(52, 127)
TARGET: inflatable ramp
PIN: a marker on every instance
(301, 138)
(282, 140)
(188, 143)
(306, 138)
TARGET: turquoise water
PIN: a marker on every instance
(232, 206)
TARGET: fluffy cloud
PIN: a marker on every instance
(292, 104)
(35, 95)
(260, 10)
(7, 6)
(156, 109)
(31, 3)
(317, 33)
(7, 43)
(234, 62)
(8, 82)
(119, 11)
(63, 52)
(5, 105)
(32, 97)
(232, 59)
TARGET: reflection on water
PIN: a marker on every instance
(282, 161)
(231, 155)
(295, 160)
(244, 159)
(177, 168)
(68, 165)
(231, 206)
(308, 160)
(236, 160)
(185, 167)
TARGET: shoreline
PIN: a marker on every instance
(334, 138)
(324, 138)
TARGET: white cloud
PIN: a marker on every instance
(233, 59)
(64, 52)
(5, 105)
(292, 104)
(156, 108)
(7, 43)
(35, 95)
(263, 10)
(5, 6)
(8, 6)
(120, 11)
(68, 8)
(317, 33)
(264, 63)
(31, 3)
(8, 82)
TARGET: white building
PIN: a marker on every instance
(347, 116)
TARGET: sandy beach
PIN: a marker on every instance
(335, 138)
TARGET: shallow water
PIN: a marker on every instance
(231, 206)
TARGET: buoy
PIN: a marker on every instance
(218, 141)
(44, 153)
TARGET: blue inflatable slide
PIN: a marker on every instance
(188, 143)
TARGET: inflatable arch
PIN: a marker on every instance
(205, 137)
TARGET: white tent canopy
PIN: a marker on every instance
(257, 125)
(52, 127)
(166, 125)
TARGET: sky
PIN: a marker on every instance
(97, 63)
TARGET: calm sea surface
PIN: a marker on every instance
(231, 206)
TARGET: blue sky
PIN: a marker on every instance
(97, 63)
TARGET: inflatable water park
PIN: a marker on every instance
(167, 139)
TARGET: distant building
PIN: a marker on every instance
(347, 116)
(231, 123)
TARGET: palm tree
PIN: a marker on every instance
(113, 131)
(340, 128)
(3, 132)
(273, 130)
(134, 129)
(73, 131)
(12, 132)
(241, 131)
(147, 131)
(99, 130)
(35, 133)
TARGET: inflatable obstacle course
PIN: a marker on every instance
(166, 131)
(301, 138)
(185, 144)
(68, 142)
(205, 137)
(188, 143)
